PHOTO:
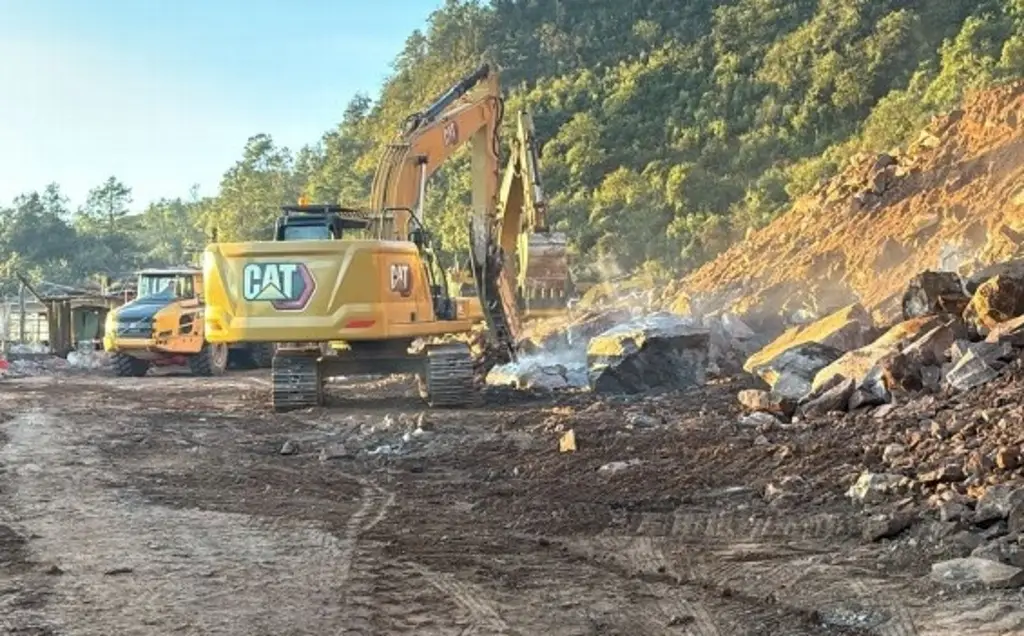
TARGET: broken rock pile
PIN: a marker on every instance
(948, 341)
(612, 353)
(936, 402)
(554, 352)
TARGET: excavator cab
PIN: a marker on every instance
(325, 222)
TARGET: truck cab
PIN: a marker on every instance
(171, 283)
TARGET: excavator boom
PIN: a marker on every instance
(471, 110)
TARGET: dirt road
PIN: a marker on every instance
(176, 505)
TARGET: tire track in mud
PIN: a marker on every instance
(738, 526)
(483, 614)
(389, 596)
(774, 591)
(837, 596)
(723, 609)
(374, 593)
(694, 615)
(278, 556)
(374, 506)
(349, 561)
(384, 595)
(678, 604)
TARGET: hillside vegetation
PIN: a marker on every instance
(669, 128)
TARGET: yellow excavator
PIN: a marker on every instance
(371, 278)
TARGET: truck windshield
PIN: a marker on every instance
(164, 285)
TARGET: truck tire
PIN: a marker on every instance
(126, 366)
(262, 354)
(211, 360)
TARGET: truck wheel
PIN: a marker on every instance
(211, 360)
(262, 354)
(125, 366)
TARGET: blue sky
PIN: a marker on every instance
(163, 94)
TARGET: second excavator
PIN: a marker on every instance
(372, 279)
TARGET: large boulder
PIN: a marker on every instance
(932, 345)
(934, 293)
(790, 374)
(834, 397)
(858, 364)
(660, 351)
(970, 371)
(1012, 267)
(843, 330)
(732, 341)
(871, 390)
(582, 329)
(997, 300)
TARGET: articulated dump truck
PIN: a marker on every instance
(163, 326)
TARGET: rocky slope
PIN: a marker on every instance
(904, 274)
(953, 199)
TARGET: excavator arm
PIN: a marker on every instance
(470, 111)
(543, 279)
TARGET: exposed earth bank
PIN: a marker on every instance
(952, 199)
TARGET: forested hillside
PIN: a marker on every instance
(669, 127)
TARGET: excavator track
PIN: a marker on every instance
(447, 379)
(297, 382)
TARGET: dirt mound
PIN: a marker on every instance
(952, 200)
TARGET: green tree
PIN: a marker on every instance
(252, 192)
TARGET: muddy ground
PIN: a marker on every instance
(164, 505)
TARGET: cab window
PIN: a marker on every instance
(306, 232)
(155, 286)
(167, 286)
(184, 287)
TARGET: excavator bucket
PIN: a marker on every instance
(545, 285)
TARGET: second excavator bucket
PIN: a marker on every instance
(544, 279)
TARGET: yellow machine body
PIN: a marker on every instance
(347, 290)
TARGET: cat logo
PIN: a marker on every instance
(450, 134)
(401, 279)
(286, 286)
